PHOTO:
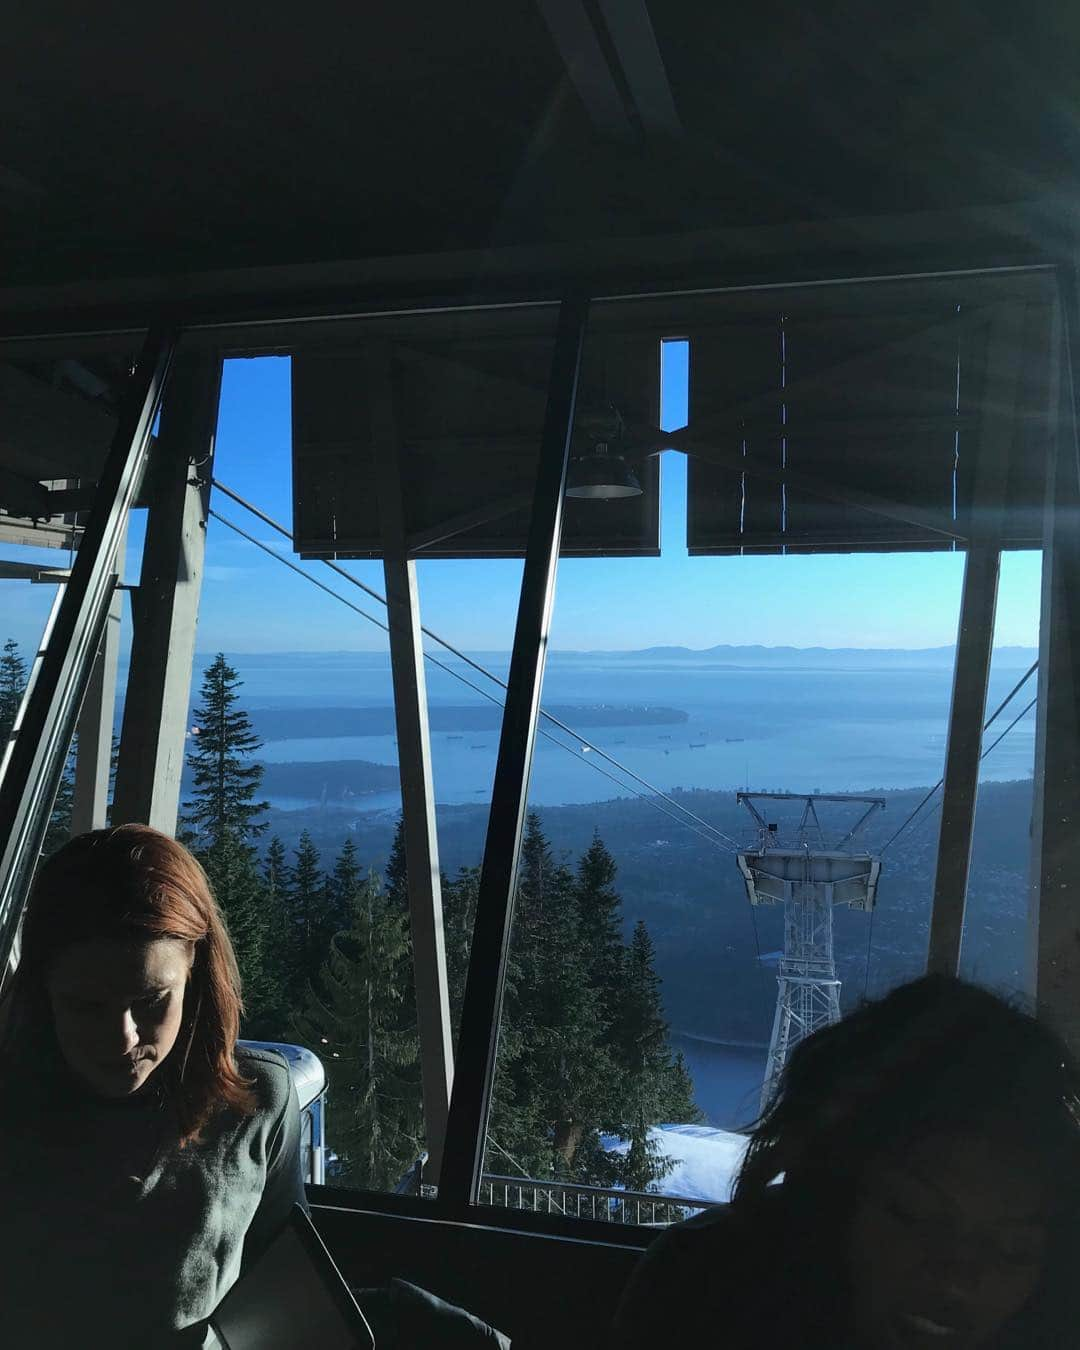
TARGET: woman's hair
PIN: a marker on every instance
(934, 1055)
(135, 884)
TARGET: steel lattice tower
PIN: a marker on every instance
(809, 882)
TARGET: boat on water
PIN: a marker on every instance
(734, 740)
(697, 745)
(455, 736)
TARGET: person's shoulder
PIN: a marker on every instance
(732, 1229)
(268, 1072)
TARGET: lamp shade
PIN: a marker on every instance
(599, 476)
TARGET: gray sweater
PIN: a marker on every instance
(112, 1235)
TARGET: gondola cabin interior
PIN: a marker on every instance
(536, 287)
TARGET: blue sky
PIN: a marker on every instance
(251, 603)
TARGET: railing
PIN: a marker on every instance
(588, 1202)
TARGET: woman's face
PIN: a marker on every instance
(947, 1243)
(117, 1008)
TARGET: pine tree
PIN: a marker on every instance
(222, 818)
(356, 1017)
(276, 877)
(342, 885)
(554, 1074)
(600, 907)
(278, 965)
(13, 676)
(396, 876)
(459, 914)
(652, 1088)
(396, 896)
(311, 926)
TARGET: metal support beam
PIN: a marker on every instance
(478, 1042)
(690, 443)
(165, 608)
(1056, 821)
(588, 70)
(635, 44)
(414, 761)
(974, 640)
(33, 772)
(93, 759)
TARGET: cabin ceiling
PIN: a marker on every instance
(183, 138)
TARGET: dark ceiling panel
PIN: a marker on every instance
(845, 430)
(470, 413)
(189, 138)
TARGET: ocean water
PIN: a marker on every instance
(850, 726)
(841, 730)
(727, 1079)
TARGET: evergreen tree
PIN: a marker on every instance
(600, 907)
(396, 877)
(311, 926)
(278, 965)
(222, 818)
(342, 885)
(396, 895)
(356, 1017)
(276, 877)
(554, 1071)
(653, 1088)
(459, 914)
(13, 676)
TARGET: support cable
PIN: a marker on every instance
(986, 726)
(714, 836)
(993, 745)
(461, 656)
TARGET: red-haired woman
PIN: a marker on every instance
(143, 1156)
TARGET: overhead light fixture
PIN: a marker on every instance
(600, 476)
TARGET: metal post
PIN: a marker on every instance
(165, 608)
(477, 1045)
(37, 759)
(1056, 822)
(973, 644)
(414, 762)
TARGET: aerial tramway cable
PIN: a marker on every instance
(732, 844)
(709, 833)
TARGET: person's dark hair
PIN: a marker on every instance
(134, 883)
(936, 1054)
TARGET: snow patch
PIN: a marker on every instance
(706, 1160)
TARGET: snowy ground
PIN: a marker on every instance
(706, 1160)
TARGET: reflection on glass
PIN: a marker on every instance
(996, 945)
(772, 657)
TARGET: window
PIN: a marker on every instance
(774, 500)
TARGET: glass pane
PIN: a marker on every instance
(58, 416)
(467, 646)
(300, 677)
(996, 949)
(768, 705)
(312, 874)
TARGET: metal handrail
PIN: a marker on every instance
(604, 1204)
(607, 1192)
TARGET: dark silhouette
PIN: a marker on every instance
(916, 1182)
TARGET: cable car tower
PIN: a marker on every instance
(809, 877)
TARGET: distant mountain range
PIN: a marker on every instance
(821, 657)
(753, 657)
